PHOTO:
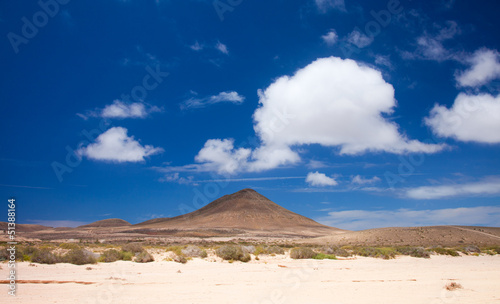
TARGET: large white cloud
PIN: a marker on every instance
(320, 179)
(114, 145)
(487, 186)
(366, 219)
(471, 118)
(336, 103)
(331, 102)
(484, 67)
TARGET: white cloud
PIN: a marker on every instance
(114, 145)
(365, 219)
(335, 103)
(120, 110)
(487, 186)
(56, 223)
(326, 5)
(430, 46)
(222, 48)
(222, 157)
(473, 118)
(484, 67)
(330, 38)
(359, 39)
(363, 181)
(196, 46)
(232, 97)
(331, 102)
(320, 179)
(383, 60)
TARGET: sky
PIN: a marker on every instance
(357, 114)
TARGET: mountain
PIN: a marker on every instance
(244, 210)
(107, 223)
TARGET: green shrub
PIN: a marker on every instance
(193, 251)
(180, 259)
(144, 257)
(337, 251)
(302, 253)
(323, 256)
(445, 251)
(417, 252)
(471, 249)
(69, 246)
(110, 255)
(44, 256)
(382, 252)
(126, 255)
(79, 257)
(175, 249)
(133, 247)
(232, 253)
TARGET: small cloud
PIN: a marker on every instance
(56, 223)
(196, 46)
(363, 181)
(222, 48)
(484, 67)
(330, 38)
(175, 178)
(384, 61)
(114, 145)
(196, 103)
(326, 5)
(359, 39)
(320, 179)
(121, 110)
(472, 118)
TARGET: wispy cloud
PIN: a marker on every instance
(330, 38)
(487, 186)
(197, 103)
(121, 110)
(222, 47)
(366, 219)
(22, 186)
(56, 223)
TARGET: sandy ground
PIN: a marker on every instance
(270, 280)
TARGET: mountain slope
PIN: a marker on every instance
(247, 210)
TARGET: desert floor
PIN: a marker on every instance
(270, 280)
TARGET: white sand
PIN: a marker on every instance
(363, 280)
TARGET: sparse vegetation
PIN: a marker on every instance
(133, 247)
(175, 249)
(302, 253)
(270, 250)
(44, 256)
(180, 259)
(374, 252)
(111, 255)
(323, 256)
(233, 253)
(417, 252)
(194, 251)
(144, 257)
(445, 251)
(69, 246)
(337, 251)
(79, 257)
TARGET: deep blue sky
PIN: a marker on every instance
(395, 111)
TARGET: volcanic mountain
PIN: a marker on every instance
(244, 210)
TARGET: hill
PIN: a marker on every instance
(246, 210)
(107, 223)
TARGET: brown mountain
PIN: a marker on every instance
(107, 223)
(244, 210)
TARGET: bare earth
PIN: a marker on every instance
(276, 279)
